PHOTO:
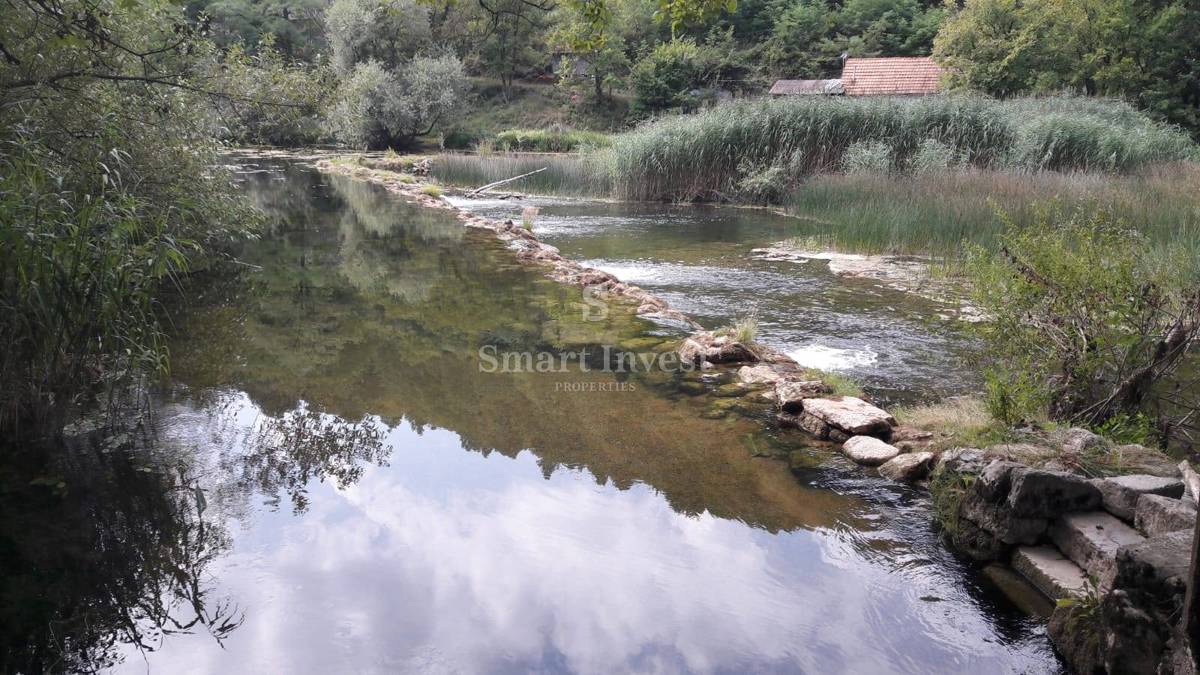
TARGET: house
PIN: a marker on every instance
(888, 76)
(806, 88)
(891, 76)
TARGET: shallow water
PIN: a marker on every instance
(335, 483)
(699, 259)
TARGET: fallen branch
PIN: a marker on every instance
(489, 186)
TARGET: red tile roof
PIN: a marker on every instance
(893, 76)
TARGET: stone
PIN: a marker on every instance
(907, 468)
(1120, 494)
(1079, 441)
(1191, 480)
(1156, 515)
(760, 374)
(1158, 567)
(1139, 459)
(998, 520)
(909, 439)
(813, 425)
(1092, 540)
(791, 394)
(1036, 493)
(691, 351)
(963, 460)
(1075, 639)
(851, 415)
(731, 352)
(868, 450)
(1050, 572)
(1133, 637)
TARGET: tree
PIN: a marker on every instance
(588, 34)
(387, 31)
(296, 27)
(377, 108)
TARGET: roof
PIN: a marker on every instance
(898, 75)
(805, 87)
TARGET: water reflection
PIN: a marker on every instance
(104, 551)
(372, 501)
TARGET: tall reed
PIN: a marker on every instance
(938, 214)
(713, 154)
(569, 175)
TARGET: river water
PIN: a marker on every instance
(334, 481)
(702, 259)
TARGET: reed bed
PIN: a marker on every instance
(729, 151)
(548, 140)
(940, 214)
(567, 175)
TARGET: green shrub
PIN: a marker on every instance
(933, 157)
(867, 157)
(1081, 312)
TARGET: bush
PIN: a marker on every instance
(933, 156)
(1085, 314)
(665, 78)
(866, 157)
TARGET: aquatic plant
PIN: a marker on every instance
(548, 140)
(690, 157)
(572, 175)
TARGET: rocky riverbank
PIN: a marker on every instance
(1112, 551)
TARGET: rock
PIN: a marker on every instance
(851, 415)
(1092, 540)
(977, 542)
(1075, 639)
(986, 506)
(1191, 480)
(908, 467)
(1133, 638)
(761, 374)
(1139, 459)
(731, 352)
(1049, 571)
(963, 460)
(1079, 441)
(868, 450)
(999, 521)
(1157, 567)
(791, 394)
(1120, 493)
(808, 423)
(691, 351)
(1038, 493)
(1156, 515)
(909, 439)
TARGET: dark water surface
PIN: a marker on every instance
(334, 484)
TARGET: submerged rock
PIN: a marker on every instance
(850, 415)
(868, 450)
(760, 374)
(907, 467)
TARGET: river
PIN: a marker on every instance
(335, 480)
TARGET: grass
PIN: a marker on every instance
(712, 154)
(431, 190)
(743, 330)
(571, 175)
(936, 214)
(548, 140)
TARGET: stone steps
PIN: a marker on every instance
(1050, 572)
(1091, 540)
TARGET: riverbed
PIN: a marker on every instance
(335, 479)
